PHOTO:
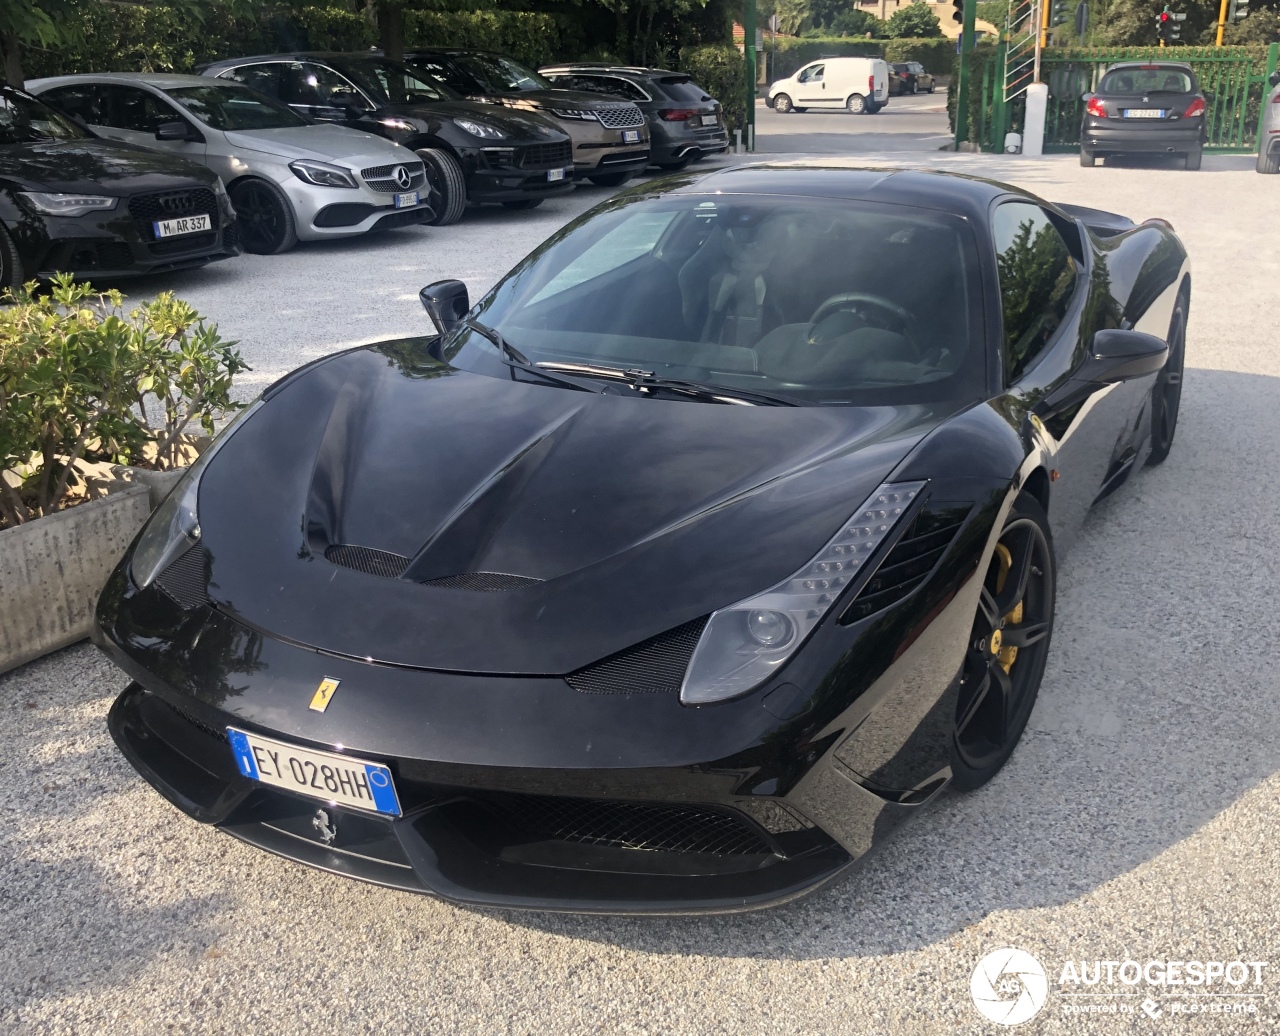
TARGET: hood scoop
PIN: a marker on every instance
(374, 562)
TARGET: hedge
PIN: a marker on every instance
(937, 55)
(794, 53)
(531, 37)
(721, 71)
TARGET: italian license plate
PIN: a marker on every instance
(1144, 113)
(630, 136)
(182, 225)
(555, 174)
(711, 120)
(337, 779)
(406, 200)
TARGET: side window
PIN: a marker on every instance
(138, 110)
(812, 74)
(86, 102)
(622, 88)
(1037, 278)
(272, 79)
(315, 84)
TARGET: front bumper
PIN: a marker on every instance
(1130, 136)
(328, 212)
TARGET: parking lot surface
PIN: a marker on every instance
(1137, 819)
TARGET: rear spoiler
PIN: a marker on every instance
(1104, 224)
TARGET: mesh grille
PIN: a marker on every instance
(221, 735)
(624, 116)
(192, 201)
(654, 665)
(382, 177)
(483, 582)
(186, 580)
(367, 560)
(546, 156)
(628, 825)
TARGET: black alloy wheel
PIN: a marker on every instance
(610, 179)
(10, 262)
(448, 186)
(1166, 395)
(1005, 662)
(265, 217)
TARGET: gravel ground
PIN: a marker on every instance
(1136, 820)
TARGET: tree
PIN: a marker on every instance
(857, 23)
(914, 20)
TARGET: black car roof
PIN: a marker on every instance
(290, 55)
(604, 66)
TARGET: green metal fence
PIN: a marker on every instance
(1234, 80)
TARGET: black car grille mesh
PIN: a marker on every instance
(483, 582)
(217, 732)
(546, 156)
(186, 580)
(656, 827)
(910, 561)
(654, 665)
(367, 559)
(191, 201)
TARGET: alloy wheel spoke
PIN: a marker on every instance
(979, 696)
(1004, 687)
(1025, 635)
(990, 610)
(1015, 583)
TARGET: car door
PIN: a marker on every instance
(133, 114)
(1047, 329)
(811, 87)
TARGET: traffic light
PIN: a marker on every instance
(958, 14)
(1238, 11)
(1168, 28)
(1058, 12)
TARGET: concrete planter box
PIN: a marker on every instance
(53, 569)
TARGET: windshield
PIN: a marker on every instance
(501, 74)
(233, 107)
(24, 120)
(394, 82)
(814, 300)
(1149, 79)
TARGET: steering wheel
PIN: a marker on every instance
(853, 299)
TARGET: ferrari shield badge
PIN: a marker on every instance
(320, 700)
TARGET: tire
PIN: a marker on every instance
(856, 104)
(1088, 159)
(264, 216)
(874, 109)
(444, 174)
(931, 88)
(11, 271)
(524, 204)
(1192, 162)
(1166, 394)
(1268, 163)
(675, 167)
(915, 88)
(999, 681)
(610, 179)
(782, 104)
(799, 110)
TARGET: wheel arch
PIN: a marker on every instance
(428, 140)
(1037, 485)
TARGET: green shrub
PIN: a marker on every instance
(793, 54)
(332, 28)
(983, 53)
(937, 55)
(78, 375)
(531, 37)
(720, 70)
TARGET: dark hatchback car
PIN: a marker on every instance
(70, 203)
(473, 153)
(1145, 108)
(910, 77)
(685, 122)
(610, 135)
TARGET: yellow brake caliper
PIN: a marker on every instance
(1007, 655)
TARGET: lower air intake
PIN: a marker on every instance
(654, 665)
(367, 559)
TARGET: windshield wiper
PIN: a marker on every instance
(642, 379)
(513, 357)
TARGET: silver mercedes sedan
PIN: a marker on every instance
(289, 180)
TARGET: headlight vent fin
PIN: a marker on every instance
(652, 666)
(186, 581)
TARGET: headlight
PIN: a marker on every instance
(321, 174)
(570, 113)
(744, 644)
(175, 525)
(479, 129)
(66, 204)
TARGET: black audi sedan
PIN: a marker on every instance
(1145, 108)
(473, 153)
(715, 540)
(71, 203)
(685, 122)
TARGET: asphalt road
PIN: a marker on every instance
(910, 122)
(1137, 819)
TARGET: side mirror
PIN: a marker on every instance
(1274, 78)
(1120, 355)
(176, 130)
(446, 304)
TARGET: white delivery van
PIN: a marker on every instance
(860, 85)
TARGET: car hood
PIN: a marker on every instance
(97, 167)
(626, 516)
(351, 147)
(516, 124)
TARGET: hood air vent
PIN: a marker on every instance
(653, 665)
(392, 566)
(483, 582)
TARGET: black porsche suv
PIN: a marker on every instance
(473, 152)
(70, 203)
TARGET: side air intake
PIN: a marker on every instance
(652, 666)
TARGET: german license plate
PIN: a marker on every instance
(630, 136)
(182, 225)
(406, 200)
(1144, 113)
(555, 174)
(337, 779)
(711, 120)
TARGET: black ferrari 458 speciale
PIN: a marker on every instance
(715, 540)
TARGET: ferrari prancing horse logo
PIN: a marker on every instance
(320, 700)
